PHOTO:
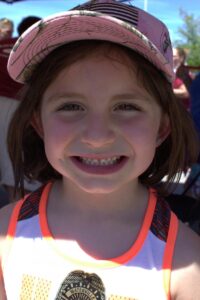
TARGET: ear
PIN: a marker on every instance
(164, 130)
(37, 124)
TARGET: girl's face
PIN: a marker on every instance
(176, 59)
(100, 127)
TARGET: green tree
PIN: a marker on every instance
(190, 33)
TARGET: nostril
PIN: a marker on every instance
(98, 139)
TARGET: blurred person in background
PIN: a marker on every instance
(181, 69)
(9, 94)
(182, 82)
(6, 28)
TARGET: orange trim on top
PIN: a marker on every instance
(42, 211)
(168, 254)
(142, 233)
(102, 263)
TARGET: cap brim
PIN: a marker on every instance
(46, 35)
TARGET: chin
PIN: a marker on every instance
(98, 188)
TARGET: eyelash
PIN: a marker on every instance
(126, 107)
(72, 107)
(78, 107)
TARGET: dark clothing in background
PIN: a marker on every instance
(195, 102)
(183, 73)
(8, 87)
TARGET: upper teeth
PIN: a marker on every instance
(100, 162)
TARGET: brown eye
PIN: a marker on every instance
(126, 107)
(71, 107)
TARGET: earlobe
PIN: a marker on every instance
(37, 124)
(164, 130)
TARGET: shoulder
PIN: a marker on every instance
(5, 216)
(185, 276)
(8, 220)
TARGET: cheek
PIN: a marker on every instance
(141, 130)
(58, 132)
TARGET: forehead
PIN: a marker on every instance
(70, 54)
(108, 53)
(111, 51)
(175, 52)
(6, 23)
(96, 69)
(65, 56)
(96, 77)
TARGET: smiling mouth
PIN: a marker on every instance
(100, 162)
(99, 166)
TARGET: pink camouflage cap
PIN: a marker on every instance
(107, 20)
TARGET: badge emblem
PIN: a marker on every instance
(79, 285)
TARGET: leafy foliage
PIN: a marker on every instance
(190, 33)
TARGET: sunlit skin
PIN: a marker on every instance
(6, 29)
(96, 108)
(98, 125)
(180, 92)
(176, 59)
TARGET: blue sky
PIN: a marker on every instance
(166, 10)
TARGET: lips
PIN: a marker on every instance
(99, 166)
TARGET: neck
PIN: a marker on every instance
(120, 203)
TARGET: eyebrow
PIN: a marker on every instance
(118, 97)
(131, 96)
(53, 98)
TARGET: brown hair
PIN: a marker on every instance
(182, 54)
(26, 148)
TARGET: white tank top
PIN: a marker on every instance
(38, 267)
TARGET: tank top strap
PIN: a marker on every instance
(165, 227)
(161, 219)
(169, 252)
(24, 208)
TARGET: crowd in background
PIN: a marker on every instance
(9, 100)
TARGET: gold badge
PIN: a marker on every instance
(82, 286)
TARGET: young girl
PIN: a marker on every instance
(99, 126)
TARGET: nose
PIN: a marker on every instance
(98, 132)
